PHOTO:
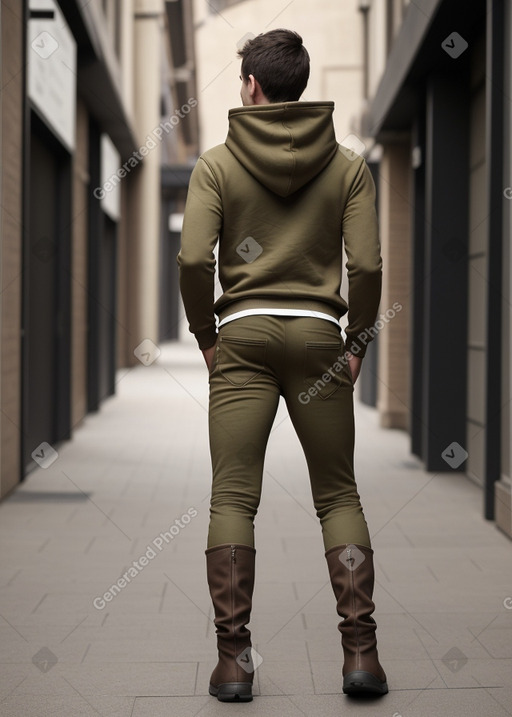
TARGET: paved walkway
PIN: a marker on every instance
(128, 496)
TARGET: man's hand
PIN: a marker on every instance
(354, 364)
(208, 355)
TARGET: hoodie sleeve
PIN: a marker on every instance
(196, 261)
(364, 263)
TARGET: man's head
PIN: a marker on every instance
(275, 68)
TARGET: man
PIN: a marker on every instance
(281, 197)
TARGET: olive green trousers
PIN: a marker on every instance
(257, 360)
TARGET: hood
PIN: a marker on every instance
(283, 145)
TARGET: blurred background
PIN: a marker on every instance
(105, 107)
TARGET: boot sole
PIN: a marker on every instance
(232, 692)
(360, 682)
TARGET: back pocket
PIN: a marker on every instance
(241, 359)
(323, 371)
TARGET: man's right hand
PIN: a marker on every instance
(354, 363)
(208, 354)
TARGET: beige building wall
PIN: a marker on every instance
(477, 304)
(143, 44)
(332, 33)
(11, 49)
(377, 54)
(149, 36)
(395, 233)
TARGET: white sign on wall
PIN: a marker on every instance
(175, 223)
(51, 60)
(110, 181)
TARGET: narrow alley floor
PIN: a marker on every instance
(130, 495)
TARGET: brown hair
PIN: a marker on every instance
(280, 63)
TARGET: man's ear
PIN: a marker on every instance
(255, 92)
(254, 86)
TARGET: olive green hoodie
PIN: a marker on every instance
(279, 196)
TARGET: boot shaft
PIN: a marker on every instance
(230, 574)
(352, 578)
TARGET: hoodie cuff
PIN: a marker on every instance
(206, 338)
(355, 346)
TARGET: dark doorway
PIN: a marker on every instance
(46, 294)
(106, 310)
(175, 180)
(102, 285)
(169, 286)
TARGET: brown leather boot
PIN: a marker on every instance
(230, 572)
(352, 578)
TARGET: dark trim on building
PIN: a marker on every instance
(25, 153)
(174, 183)
(94, 232)
(495, 93)
(446, 269)
(417, 326)
(65, 259)
(368, 382)
(169, 297)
